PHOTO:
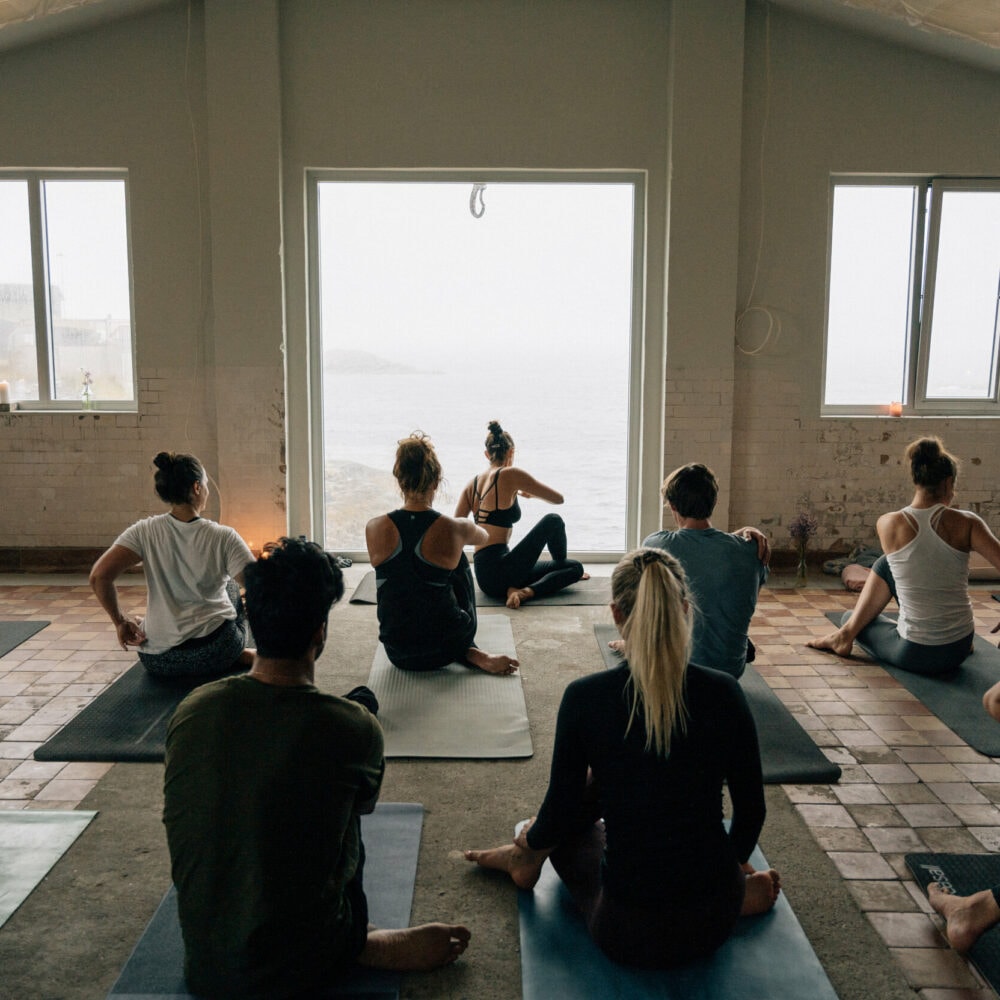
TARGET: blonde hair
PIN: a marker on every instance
(650, 590)
(417, 468)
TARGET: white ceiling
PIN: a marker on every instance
(966, 30)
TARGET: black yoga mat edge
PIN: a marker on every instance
(13, 633)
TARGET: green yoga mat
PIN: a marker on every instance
(12, 634)
(595, 591)
(767, 957)
(127, 722)
(788, 754)
(955, 698)
(391, 836)
(965, 874)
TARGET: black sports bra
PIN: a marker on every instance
(499, 517)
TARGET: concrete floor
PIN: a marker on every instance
(72, 935)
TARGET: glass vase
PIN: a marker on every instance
(802, 569)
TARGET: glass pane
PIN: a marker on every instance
(18, 358)
(963, 351)
(89, 288)
(438, 321)
(868, 317)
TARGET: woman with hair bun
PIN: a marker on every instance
(515, 575)
(640, 758)
(426, 600)
(195, 623)
(925, 569)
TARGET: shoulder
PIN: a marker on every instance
(596, 686)
(659, 540)
(716, 683)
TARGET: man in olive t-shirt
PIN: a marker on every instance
(266, 780)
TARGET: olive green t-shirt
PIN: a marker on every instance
(262, 796)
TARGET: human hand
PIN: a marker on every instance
(129, 632)
(763, 542)
(995, 629)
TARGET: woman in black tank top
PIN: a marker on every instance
(515, 575)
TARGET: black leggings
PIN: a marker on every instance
(499, 567)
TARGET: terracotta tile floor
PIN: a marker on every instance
(908, 784)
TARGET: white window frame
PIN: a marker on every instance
(639, 430)
(929, 193)
(40, 276)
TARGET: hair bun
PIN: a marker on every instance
(163, 460)
(494, 428)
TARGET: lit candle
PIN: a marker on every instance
(895, 409)
(5, 392)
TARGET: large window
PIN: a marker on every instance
(912, 307)
(439, 305)
(66, 337)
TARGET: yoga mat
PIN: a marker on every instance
(955, 698)
(965, 874)
(456, 711)
(12, 634)
(768, 957)
(595, 591)
(31, 842)
(125, 722)
(391, 836)
(788, 754)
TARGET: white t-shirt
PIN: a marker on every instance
(187, 566)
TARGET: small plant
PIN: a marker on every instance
(87, 389)
(803, 527)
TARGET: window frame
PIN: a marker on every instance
(41, 291)
(925, 231)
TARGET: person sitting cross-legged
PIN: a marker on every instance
(266, 781)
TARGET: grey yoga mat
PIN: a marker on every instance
(595, 591)
(391, 836)
(12, 634)
(788, 754)
(767, 957)
(955, 698)
(456, 711)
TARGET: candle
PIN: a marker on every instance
(895, 409)
(4, 392)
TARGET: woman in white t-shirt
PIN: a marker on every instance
(194, 624)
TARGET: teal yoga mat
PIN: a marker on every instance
(788, 754)
(965, 874)
(391, 836)
(767, 957)
(12, 634)
(955, 698)
(127, 722)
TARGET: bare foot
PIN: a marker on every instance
(834, 642)
(492, 663)
(586, 576)
(761, 894)
(516, 596)
(618, 645)
(414, 949)
(523, 866)
(966, 917)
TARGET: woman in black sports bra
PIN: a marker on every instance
(515, 575)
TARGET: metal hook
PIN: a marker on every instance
(477, 191)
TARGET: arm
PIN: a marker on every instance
(527, 486)
(758, 536)
(106, 570)
(371, 772)
(744, 777)
(469, 533)
(982, 540)
(464, 506)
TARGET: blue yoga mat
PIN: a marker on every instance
(768, 957)
(956, 698)
(391, 836)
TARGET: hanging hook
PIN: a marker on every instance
(477, 191)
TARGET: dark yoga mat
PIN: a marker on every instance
(12, 634)
(788, 754)
(595, 591)
(392, 842)
(965, 874)
(125, 722)
(767, 957)
(955, 698)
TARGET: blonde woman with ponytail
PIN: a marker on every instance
(632, 819)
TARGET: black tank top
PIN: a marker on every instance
(499, 517)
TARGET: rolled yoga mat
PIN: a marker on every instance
(456, 711)
(956, 698)
(391, 837)
(965, 874)
(127, 722)
(12, 634)
(788, 754)
(767, 957)
(595, 591)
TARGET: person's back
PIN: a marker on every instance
(264, 784)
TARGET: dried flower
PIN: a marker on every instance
(803, 527)
(88, 378)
